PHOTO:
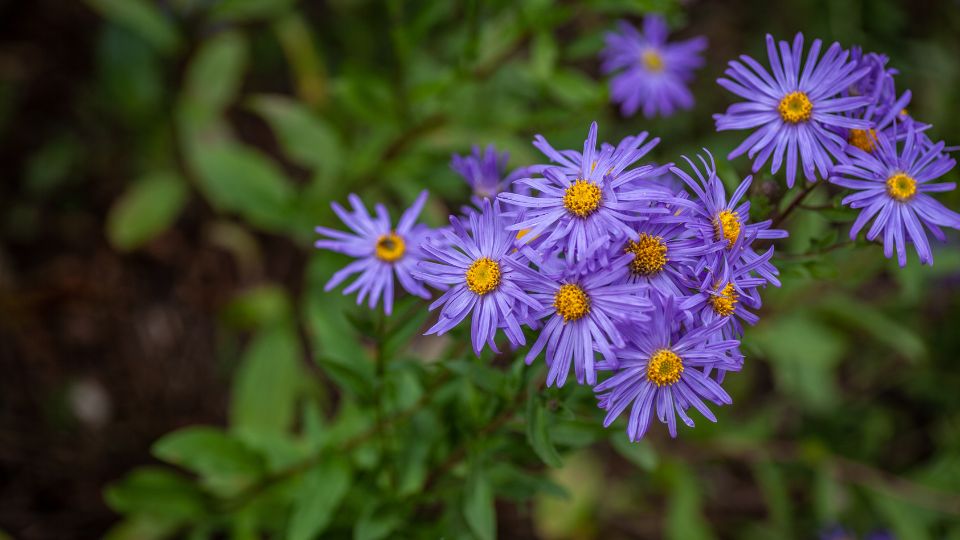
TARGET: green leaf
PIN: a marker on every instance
(574, 89)
(260, 306)
(538, 433)
(267, 384)
(143, 18)
(478, 507)
(240, 179)
(320, 494)
(684, 520)
(907, 521)
(375, 523)
(770, 478)
(214, 74)
(242, 10)
(867, 318)
(307, 139)
(224, 463)
(143, 527)
(158, 492)
(639, 453)
(147, 209)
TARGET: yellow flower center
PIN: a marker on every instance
(727, 225)
(652, 60)
(795, 107)
(571, 302)
(664, 368)
(725, 301)
(901, 187)
(390, 247)
(582, 198)
(904, 112)
(649, 255)
(483, 275)
(863, 139)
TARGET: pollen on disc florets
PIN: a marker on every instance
(727, 225)
(571, 302)
(483, 276)
(725, 301)
(664, 367)
(582, 198)
(390, 247)
(864, 139)
(652, 60)
(901, 186)
(649, 255)
(795, 107)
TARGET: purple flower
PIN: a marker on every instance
(653, 74)
(485, 172)
(892, 187)
(795, 111)
(717, 218)
(580, 311)
(588, 198)
(381, 251)
(661, 369)
(475, 263)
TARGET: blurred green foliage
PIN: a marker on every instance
(344, 423)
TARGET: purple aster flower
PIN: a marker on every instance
(727, 292)
(661, 369)
(653, 74)
(474, 265)
(381, 251)
(580, 310)
(718, 218)
(485, 172)
(795, 111)
(892, 187)
(588, 198)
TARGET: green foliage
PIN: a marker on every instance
(248, 117)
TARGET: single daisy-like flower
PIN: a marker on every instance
(719, 218)
(727, 292)
(580, 310)
(796, 110)
(653, 74)
(474, 265)
(382, 251)
(661, 370)
(486, 172)
(893, 187)
(581, 204)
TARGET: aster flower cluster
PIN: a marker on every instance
(632, 271)
(839, 117)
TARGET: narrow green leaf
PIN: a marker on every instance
(158, 492)
(639, 453)
(243, 10)
(267, 384)
(684, 519)
(478, 507)
(320, 494)
(375, 523)
(307, 139)
(538, 433)
(240, 179)
(214, 74)
(143, 18)
(147, 209)
(224, 463)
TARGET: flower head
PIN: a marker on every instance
(892, 187)
(485, 172)
(587, 198)
(796, 109)
(661, 370)
(716, 217)
(579, 310)
(475, 263)
(652, 74)
(381, 250)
